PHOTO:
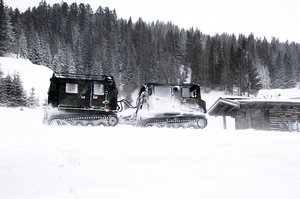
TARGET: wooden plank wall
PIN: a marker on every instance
(252, 117)
(285, 118)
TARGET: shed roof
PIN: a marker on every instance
(228, 106)
(224, 107)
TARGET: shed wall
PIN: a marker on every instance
(275, 117)
(285, 118)
(255, 118)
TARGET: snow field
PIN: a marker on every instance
(58, 162)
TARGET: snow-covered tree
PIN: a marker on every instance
(254, 84)
(7, 36)
(289, 71)
(18, 97)
(278, 72)
(264, 76)
(32, 100)
(22, 45)
(2, 96)
(45, 52)
(12, 93)
(7, 90)
(35, 49)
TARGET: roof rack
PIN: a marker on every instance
(83, 76)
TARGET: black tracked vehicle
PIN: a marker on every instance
(83, 100)
(175, 106)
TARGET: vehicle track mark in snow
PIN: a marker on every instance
(69, 162)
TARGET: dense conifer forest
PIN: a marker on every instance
(76, 39)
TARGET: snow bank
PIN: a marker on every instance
(279, 94)
(32, 76)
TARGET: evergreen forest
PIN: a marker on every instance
(76, 39)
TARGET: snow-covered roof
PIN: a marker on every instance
(228, 106)
(224, 107)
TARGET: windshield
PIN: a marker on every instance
(185, 92)
(162, 91)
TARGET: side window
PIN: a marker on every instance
(98, 89)
(71, 88)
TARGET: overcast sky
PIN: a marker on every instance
(278, 18)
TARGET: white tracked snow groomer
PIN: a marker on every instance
(171, 105)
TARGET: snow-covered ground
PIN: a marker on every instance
(38, 161)
(66, 162)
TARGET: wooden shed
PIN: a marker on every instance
(259, 114)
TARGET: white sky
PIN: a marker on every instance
(279, 18)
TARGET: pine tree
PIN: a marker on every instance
(59, 60)
(3, 37)
(143, 44)
(297, 64)
(254, 83)
(129, 80)
(45, 52)
(289, 78)
(247, 80)
(264, 76)
(32, 100)
(8, 91)
(18, 93)
(277, 79)
(2, 93)
(226, 70)
(215, 62)
(12, 92)
(194, 50)
(7, 36)
(22, 45)
(157, 52)
(233, 65)
(35, 50)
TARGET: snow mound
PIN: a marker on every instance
(32, 75)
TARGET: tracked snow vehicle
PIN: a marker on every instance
(175, 106)
(83, 100)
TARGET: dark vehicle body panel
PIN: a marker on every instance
(80, 96)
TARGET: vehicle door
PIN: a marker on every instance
(98, 95)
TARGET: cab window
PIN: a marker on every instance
(188, 93)
(185, 92)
